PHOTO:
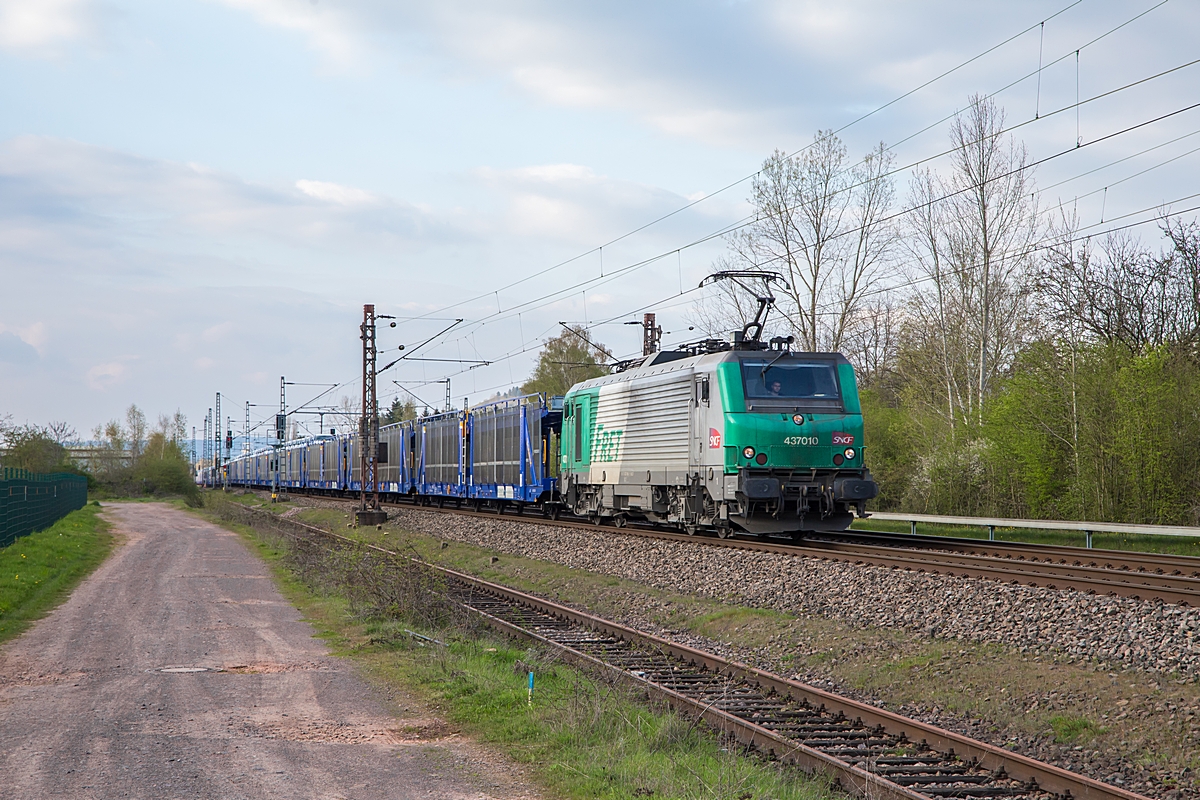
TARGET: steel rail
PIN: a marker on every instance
(869, 751)
(1142, 576)
(1181, 590)
(1123, 560)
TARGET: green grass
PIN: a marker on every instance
(1173, 545)
(38, 571)
(1074, 729)
(582, 737)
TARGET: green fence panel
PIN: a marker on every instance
(30, 502)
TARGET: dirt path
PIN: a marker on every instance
(87, 710)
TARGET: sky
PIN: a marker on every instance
(199, 196)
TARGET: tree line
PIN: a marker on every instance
(129, 457)
(1010, 363)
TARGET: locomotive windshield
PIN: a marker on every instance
(785, 380)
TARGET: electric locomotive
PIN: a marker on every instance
(721, 435)
(762, 440)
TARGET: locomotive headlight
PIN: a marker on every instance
(748, 452)
(850, 453)
(798, 419)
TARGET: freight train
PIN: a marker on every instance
(719, 436)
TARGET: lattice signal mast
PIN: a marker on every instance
(216, 433)
(369, 512)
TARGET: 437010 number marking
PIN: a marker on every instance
(800, 440)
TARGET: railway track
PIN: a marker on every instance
(1143, 576)
(868, 751)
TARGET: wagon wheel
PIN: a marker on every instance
(620, 520)
(554, 512)
(690, 530)
(724, 531)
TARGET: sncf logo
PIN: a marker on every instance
(843, 438)
(714, 438)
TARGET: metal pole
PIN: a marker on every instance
(651, 334)
(246, 432)
(280, 432)
(368, 427)
(206, 461)
(217, 441)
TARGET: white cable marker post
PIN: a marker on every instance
(531, 690)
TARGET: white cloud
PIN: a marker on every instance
(330, 31)
(15, 350)
(620, 59)
(33, 334)
(335, 193)
(38, 26)
(570, 202)
(103, 377)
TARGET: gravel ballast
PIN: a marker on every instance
(1071, 626)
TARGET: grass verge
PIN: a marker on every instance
(38, 571)
(582, 736)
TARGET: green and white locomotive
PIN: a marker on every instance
(724, 436)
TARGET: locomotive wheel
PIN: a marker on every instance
(554, 512)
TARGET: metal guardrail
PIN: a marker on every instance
(1087, 528)
(31, 501)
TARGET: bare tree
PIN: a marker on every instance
(823, 225)
(872, 342)
(135, 431)
(62, 432)
(348, 414)
(970, 238)
(1120, 292)
(178, 428)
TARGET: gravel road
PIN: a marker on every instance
(88, 710)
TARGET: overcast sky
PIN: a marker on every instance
(199, 196)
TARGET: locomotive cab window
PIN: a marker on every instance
(776, 382)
